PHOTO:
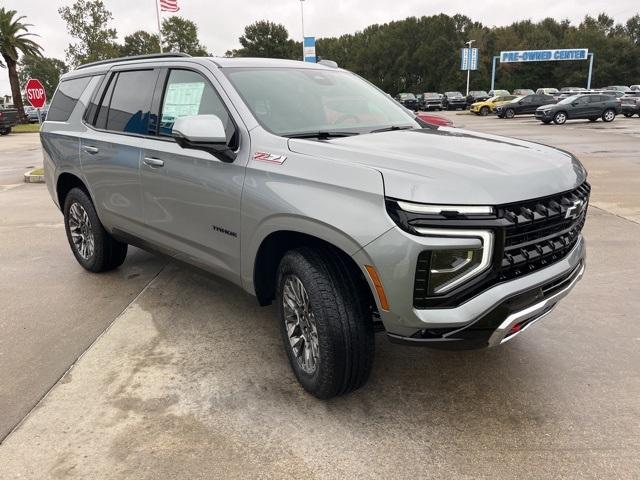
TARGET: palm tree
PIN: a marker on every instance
(13, 42)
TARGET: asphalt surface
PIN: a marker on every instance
(191, 381)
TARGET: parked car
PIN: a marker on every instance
(32, 113)
(589, 107)
(8, 119)
(498, 93)
(635, 88)
(523, 105)
(434, 120)
(619, 88)
(630, 104)
(408, 100)
(432, 101)
(523, 92)
(454, 101)
(547, 91)
(350, 217)
(572, 89)
(477, 96)
(488, 106)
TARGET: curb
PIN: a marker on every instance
(29, 177)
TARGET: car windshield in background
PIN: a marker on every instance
(432, 95)
(289, 101)
(570, 99)
(453, 94)
(407, 96)
(479, 93)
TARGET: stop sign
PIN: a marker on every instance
(35, 93)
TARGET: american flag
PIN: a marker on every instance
(169, 5)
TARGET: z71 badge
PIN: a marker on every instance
(269, 157)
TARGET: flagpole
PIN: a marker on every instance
(159, 24)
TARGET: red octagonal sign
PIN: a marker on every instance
(35, 93)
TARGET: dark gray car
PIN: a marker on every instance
(310, 188)
(586, 106)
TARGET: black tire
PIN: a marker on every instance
(546, 122)
(593, 119)
(108, 253)
(509, 113)
(5, 131)
(344, 327)
(560, 118)
(609, 115)
(484, 111)
(628, 115)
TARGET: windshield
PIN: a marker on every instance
(407, 96)
(478, 93)
(432, 95)
(290, 101)
(453, 94)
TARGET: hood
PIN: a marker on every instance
(453, 166)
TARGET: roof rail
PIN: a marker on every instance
(134, 57)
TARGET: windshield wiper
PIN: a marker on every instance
(322, 135)
(392, 128)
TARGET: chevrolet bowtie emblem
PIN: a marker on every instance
(574, 210)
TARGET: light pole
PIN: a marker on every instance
(302, 17)
(468, 62)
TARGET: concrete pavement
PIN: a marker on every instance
(191, 380)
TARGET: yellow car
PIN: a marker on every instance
(486, 107)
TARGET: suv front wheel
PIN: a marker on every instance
(560, 118)
(324, 320)
(91, 244)
(609, 115)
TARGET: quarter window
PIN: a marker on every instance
(188, 93)
(66, 98)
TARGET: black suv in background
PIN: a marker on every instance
(431, 101)
(523, 105)
(590, 107)
(477, 96)
(408, 100)
(454, 101)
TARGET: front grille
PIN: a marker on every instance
(529, 235)
(541, 232)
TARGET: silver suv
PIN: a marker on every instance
(307, 186)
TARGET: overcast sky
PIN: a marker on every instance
(221, 22)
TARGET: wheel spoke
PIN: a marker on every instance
(300, 324)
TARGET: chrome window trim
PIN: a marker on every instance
(487, 250)
(438, 209)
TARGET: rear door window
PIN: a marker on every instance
(66, 98)
(129, 100)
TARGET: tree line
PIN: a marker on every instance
(415, 54)
(423, 54)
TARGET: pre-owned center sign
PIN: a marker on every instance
(544, 55)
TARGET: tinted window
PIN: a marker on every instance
(527, 100)
(596, 98)
(129, 106)
(66, 98)
(189, 93)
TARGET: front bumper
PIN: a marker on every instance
(484, 320)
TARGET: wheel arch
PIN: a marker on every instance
(275, 245)
(67, 181)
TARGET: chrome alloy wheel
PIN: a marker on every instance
(81, 232)
(609, 115)
(300, 324)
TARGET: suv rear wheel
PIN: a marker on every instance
(484, 111)
(324, 321)
(91, 244)
(560, 118)
(609, 115)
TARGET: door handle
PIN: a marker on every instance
(153, 162)
(91, 150)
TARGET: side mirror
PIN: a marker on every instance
(203, 132)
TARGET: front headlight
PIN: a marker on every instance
(451, 267)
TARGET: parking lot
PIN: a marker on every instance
(156, 370)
